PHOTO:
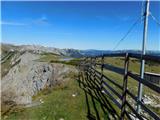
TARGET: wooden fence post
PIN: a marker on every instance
(125, 79)
(84, 68)
(94, 66)
(87, 67)
(102, 65)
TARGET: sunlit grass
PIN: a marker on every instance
(59, 102)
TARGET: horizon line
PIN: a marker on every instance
(14, 44)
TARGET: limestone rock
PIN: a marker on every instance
(29, 77)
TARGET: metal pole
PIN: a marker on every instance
(140, 87)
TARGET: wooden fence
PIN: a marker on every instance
(94, 80)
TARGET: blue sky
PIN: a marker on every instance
(79, 25)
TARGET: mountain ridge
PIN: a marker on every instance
(70, 52)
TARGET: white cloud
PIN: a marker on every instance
(39, 21)
(12, 23)
(43, 20)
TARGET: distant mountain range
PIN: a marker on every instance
(101, 52)
(66, 52)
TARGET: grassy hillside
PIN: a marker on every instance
(59, 104)
(47, 57)
(54, 58)
(68, 102)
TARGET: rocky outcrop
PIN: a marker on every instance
(29, 77)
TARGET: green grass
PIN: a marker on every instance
(73, 62)
(47, 57)
(134, 66)
(58, 103)
(54, 58)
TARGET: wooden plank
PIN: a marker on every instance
(145, 57)
(109, 55)
(151, 113)
(128, 116)
(134, 111)
(145, 82)
(133, 55)
(113, 90)
(113, 82)
(112, 98)
(152, 58)
(114, 69)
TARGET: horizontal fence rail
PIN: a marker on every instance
(93, 70)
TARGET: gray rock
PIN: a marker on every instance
(28, 77)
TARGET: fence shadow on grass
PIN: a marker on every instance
(98, 105)
(106, 101)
